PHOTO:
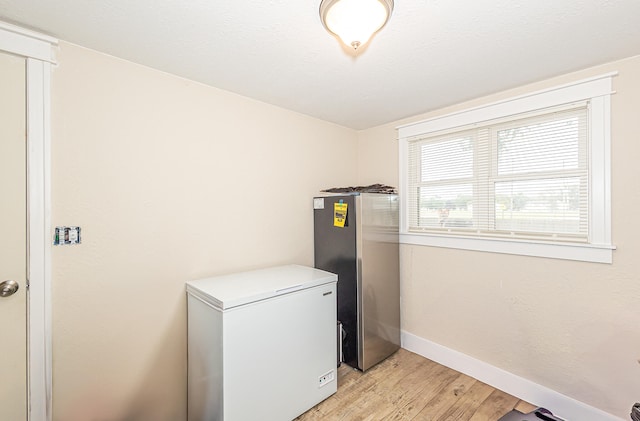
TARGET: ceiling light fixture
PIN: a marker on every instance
(355, 21)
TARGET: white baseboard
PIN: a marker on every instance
(561, 405)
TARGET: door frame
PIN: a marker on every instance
(38, 50)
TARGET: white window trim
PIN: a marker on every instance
(598, 91)
(38, 51)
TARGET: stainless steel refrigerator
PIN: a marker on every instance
(356, 237)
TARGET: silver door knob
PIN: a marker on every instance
(8, 288)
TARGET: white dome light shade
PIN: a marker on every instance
(355, 21)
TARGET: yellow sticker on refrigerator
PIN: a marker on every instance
(339, 214)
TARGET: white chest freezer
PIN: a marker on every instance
(261, 344)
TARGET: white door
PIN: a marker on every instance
(13, 248)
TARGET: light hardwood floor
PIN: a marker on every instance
(407, 386)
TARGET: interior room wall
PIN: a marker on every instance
(169, 180)
(570, 326)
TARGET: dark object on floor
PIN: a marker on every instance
(635, 412)
(373, 188)
(540, 414)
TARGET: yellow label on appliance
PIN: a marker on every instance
(339, 214)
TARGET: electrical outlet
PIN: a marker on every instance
(326, 378)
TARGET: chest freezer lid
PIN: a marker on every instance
(228, 291)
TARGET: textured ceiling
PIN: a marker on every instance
(432, 53)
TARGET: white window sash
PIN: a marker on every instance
(597, 91)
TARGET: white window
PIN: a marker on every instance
(529, 175)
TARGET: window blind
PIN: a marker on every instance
(524, 176)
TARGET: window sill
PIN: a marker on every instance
(580, 252)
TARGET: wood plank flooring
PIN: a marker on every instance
(407, 386)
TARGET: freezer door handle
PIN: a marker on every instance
(340, 339)
(288, 289)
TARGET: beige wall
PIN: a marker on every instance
(170, 180)
(571, 326)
